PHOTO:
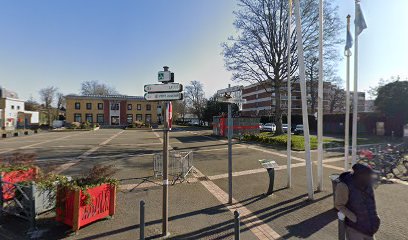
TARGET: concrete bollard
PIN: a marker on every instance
(237, 225)
(142, 219)
(342, 226)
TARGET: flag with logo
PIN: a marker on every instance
(359, 22)
(349, 40)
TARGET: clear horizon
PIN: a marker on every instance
(124, 44)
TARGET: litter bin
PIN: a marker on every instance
(335, 180)
(270, 166)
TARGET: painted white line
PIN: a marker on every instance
(260, 229)
(85, 154)
(275, 153)
(38, 143)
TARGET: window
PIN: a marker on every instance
(99, 118)
(100, 106)
(12, 106)
(18, 107)
(88, 106)
(148, 107)
(129, 118)
(139, 106)
(77, 105)
(148, 118)
(129, 106)
(115, 106)
(77, 117)
(139, 117)
(89, 118)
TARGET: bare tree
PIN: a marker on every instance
(60, 100)
(180, 108)
(194, 94)
(47, 97)
(259, 53)
(96, 88)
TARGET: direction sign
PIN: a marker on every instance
(231, 100)
(170, 87)
(163, 96)
(230, 89)
(165, 76)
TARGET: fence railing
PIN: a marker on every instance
(180, 164)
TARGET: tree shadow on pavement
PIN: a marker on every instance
(311, 225)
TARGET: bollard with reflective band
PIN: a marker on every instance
(342, 226)
(237, 225)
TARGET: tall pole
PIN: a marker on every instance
(289, 131)
(320, 104)
(229, 152)
(347, 53)
(302, 76)
(165, 212)
(355, 94)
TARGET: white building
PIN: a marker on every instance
(12, 112)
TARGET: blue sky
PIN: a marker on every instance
(124, 43)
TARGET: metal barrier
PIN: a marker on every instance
(22, 204)
(237, 223)
(180, 164)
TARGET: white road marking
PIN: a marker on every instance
(85, 154)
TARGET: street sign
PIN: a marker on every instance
(231, 100)
(163, 96)
(170, 87)
(165, 76)
(230, 89)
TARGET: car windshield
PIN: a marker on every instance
(285, 125)
(299, 126)
(268, 124)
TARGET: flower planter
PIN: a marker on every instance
(8, 178)
(73, 210)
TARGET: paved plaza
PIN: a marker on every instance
(198, 207)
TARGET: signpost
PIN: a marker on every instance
(165, 92)
(226, 97)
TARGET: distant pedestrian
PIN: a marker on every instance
(354, 196)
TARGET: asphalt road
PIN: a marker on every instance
(197, 209)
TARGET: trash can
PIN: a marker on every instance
(335, 180)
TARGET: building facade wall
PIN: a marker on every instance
(110, 110)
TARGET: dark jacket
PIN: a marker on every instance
(362, 203)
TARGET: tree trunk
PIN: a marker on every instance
(278, 109)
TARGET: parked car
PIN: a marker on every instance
(268, 127)
(298, 129)
(285, 127)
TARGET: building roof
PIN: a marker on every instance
(114, 97)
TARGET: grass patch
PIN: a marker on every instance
(298, 141)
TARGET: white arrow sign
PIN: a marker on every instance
(231, 100)
(163, 96)
(169, 87)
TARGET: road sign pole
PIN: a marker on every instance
(165, 173)
(229, 154)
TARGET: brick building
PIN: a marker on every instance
(261, 101)
(111, 110)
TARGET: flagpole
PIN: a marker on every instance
(302, 78)
(289, 118)
(347, 53)
(320, 104)
(355, 93)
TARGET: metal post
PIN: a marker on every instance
(237, 225)
(320, 104)
(347, 53)
(165, 173)
(31, 201)
(289, 119)
(229, 154)
(142, 220)
(302, 76)
(355, 96)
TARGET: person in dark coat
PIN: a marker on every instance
(354, 197)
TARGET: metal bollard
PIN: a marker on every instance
(142, 219)
(237, 225)
(342, 226)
